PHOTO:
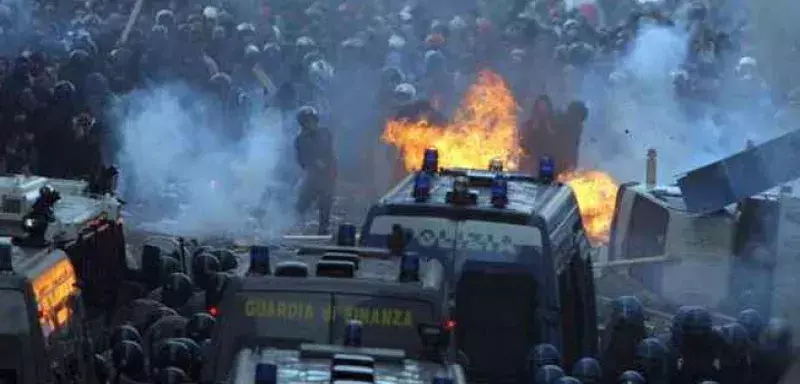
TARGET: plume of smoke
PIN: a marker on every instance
(191, 178)
(641, 110)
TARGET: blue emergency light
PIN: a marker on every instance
(547, 168)
(443, 379)
(430, 160)
(409, 268)
(266, 373)
(346, 237)
(352, 333)
(259, 260)
(499, 191)
(422, 186)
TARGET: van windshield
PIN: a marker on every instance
(14, 313)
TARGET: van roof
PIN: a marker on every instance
(526, 193)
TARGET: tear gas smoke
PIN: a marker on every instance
(642, 110)
(192, 179)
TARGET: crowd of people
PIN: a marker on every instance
(693, 351)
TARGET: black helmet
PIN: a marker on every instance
(568, 380)
(195, 354)
(176, 291)
(169, 265)
(587, 370)
(696, 322)
(171, 375)
(752, 321)
(652, 359)
(541, 355)
(128, 358)
(227, 259)
(627, 310)
(216, 288)
(307, 113)
(548, 374)
(165, 17)
(167, 328)
(157, 314)
(124, 332)
(171, 353)
(203, 266)
(631, 377)
(199, 326)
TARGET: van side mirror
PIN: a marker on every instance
(434, 336)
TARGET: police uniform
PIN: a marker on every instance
(314, 146)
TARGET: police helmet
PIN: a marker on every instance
(227, 259)
(200, 326)
(245, 29)
(157, 314)
(251, 52)
(631, 377)
(216, 288)
(195, 353)
(392, 76)
(752, 321)
(541, 355)
(128, 358)
(306, 114)
(203, 266)
(171, 353)
(171, 375)
(587, 370)
(405, 92)
(568, 380)
(627, 310)
(305, 42)
(651, 358)
(548, 374)
(736, 339)
(777, 336)
(220, 81)
(696, 322)
(169, 265)
(124, 332)
(176, 290)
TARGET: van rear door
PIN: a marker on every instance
(496, 320)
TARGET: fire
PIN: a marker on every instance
(596, 192)
(483, 128)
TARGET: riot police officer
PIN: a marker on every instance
(697, 347)
(541, 355)
(315, 154)
(734, 351)
(775, 352)
(652, 361)
(625, 330)
(548, 374)
(128, 358)
(199, 326)
(587, 370)
(176, 291)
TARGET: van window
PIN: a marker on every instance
(647, 229)
(14, 313)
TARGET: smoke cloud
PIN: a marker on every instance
(192, 179)
(641, 110)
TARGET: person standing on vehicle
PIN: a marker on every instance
(314, 146)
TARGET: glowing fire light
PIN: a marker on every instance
(484, 128)
(596, 192)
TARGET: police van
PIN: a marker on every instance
(515, 254)
(61, 251)
(285, 305)
(42, 334)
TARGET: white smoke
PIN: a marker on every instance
(641, 110)
(191, 179)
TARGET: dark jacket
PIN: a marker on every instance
(313, 147)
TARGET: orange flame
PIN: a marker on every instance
(596, 193)
(484, 128)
